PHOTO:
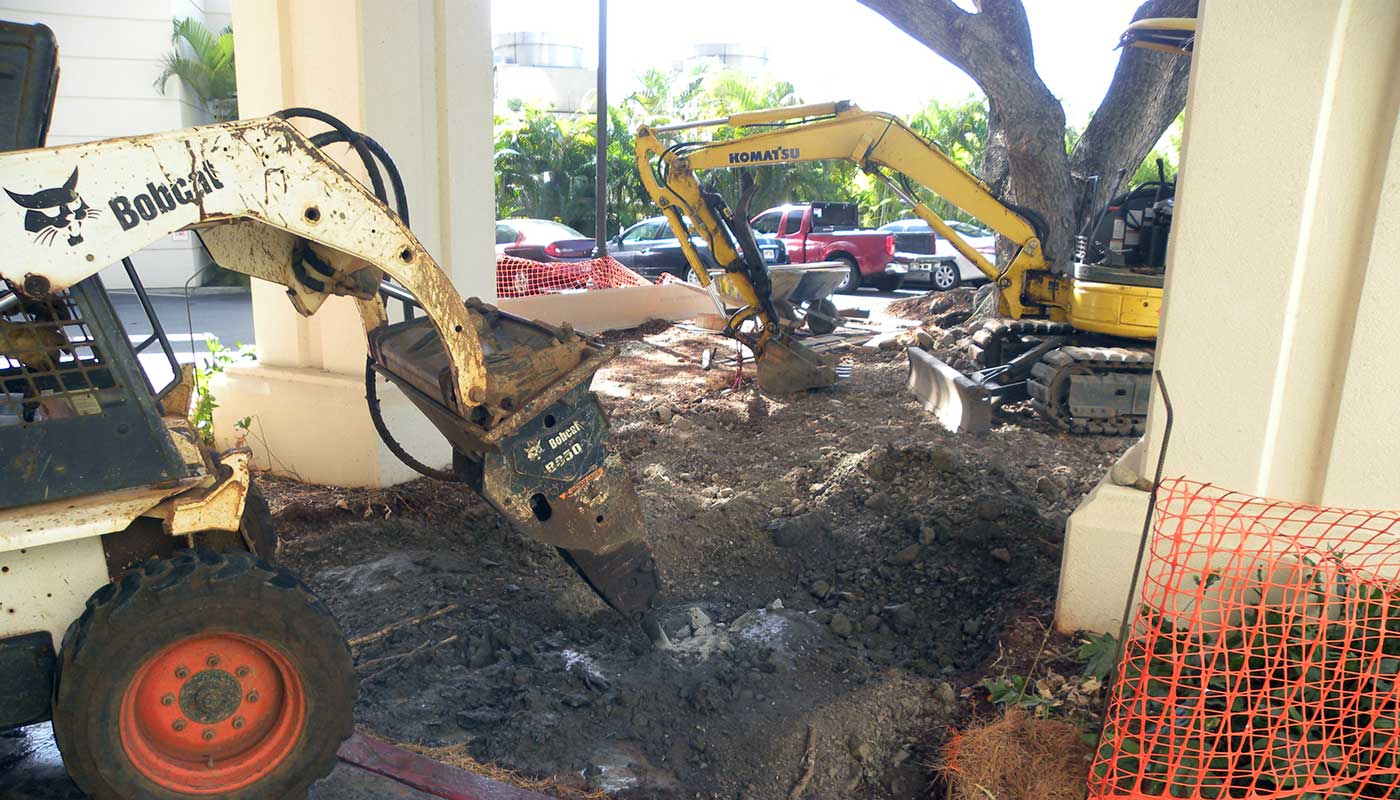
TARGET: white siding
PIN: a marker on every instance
(109, 56)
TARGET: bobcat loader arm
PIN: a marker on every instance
(511, 396)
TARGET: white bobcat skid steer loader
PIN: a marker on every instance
(139, 605)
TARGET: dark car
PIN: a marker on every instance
(541, 240)
(650, 249)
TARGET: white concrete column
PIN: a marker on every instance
(415, 75)
(1279, 341)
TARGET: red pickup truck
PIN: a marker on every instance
(831, 232)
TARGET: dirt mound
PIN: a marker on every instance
(835, 561)
(1018, 757)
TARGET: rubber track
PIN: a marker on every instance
(1099, 360)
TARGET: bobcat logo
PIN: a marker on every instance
(51, 211)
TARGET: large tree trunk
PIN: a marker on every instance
(1025, 162)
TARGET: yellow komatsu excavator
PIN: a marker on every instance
(1077, 338)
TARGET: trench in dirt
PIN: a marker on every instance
(838, 571)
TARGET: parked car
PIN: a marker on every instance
(651, 249)
(831, 232)
(541, 240)
(934, 262)
(553, 244)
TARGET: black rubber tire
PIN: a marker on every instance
(821, 327)
(856, 281)
(939, 277)
(164, 601)
(256, 526)
(889, 283)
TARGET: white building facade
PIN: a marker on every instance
(109, 58)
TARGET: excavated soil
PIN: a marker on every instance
(838, 571)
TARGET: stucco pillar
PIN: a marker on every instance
(416, 76)
(1279, 342)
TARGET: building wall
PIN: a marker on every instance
(109, 56)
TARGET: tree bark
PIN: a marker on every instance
(1025, 161)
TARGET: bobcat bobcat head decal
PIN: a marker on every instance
(54, 211)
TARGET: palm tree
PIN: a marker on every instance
(203, 61)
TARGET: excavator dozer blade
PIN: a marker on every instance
(960, 403)
(787, 367)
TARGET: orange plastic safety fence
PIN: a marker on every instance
(1264, 656)
(520, 277)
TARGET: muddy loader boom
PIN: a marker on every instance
(1066, 340)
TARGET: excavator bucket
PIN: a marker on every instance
(786, 367)
(960, 403)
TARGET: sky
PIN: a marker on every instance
(831, 49)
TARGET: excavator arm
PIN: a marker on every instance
(875, 142)
(510, 395)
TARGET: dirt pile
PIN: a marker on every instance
(834, 562)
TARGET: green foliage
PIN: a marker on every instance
(545, 162)
(202, 409)
(1295, 690)
(1168, 149)
(1098, 654)
(203, 61)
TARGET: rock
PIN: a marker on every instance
(944, 301)
(912, 523)
(970, 627)
(1143, 484)
(683, 424)
(757, 407)
(990, 507)
(945, 459)
(870, 624)
(878, 501)
(902, 618)
(802, 530)
(816, 488)
(1046, 486)
(664, 414)
(841, 625)
(1001, 554)
(1109, 444)
(862, 751)
(776, 511)
(776, 605)
(906, 556)
(1122, 474)
(820, 589)
(946, 694)
(892, 343)
(924, 338)
(511, 588)
(927, 535)
(698, 618)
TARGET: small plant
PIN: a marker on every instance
(202, 410)
(1097, 654)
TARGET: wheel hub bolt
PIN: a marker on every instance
(238, 723)
(208, 735)
(168, 700)
(243, 672)
(181, 672)
(253, 697)
(213, 661)
(178, 725)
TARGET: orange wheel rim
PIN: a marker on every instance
(212, 714)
